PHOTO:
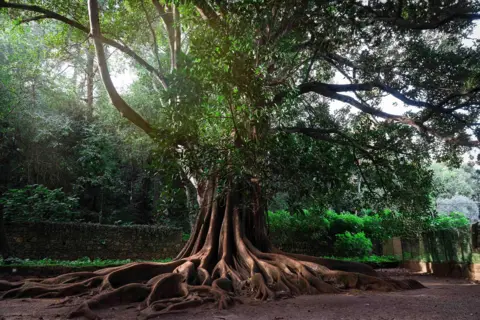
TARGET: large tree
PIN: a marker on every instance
(237, 80)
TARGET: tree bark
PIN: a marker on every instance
(90, 73)
(124, 109)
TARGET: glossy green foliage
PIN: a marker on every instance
(352, 245)
(454, 220)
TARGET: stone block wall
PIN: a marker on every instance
(70, 241)
(476, 236)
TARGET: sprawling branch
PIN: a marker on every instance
(328, 89)
(36, 18)
(53, 15)
(332, 91)
(117, 100)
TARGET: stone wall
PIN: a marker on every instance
(445, 269)
(303, 247)
(70, 241)
(476, 237)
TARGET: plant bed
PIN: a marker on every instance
(18, 272)
(25, 268)
(374, 261)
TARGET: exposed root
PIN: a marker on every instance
(164, 288)
(218, 264)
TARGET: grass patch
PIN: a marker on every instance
(369, 259)
(83, 262)
(87, 262)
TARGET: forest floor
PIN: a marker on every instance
(444, 298)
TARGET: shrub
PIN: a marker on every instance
(38, 203)
(352, 245)
(343, 222)
(301, 227)
(452, 221)
(318, 227)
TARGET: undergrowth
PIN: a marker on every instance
(83, 262)
(87, 262)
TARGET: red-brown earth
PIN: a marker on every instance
(444, 298)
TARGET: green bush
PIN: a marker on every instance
(38, 203)
(324, 228)
(352, 245)
(454, 220)
(343, 222)
(301, 227)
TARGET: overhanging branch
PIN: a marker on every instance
(117, 100)
(332, 91)
(53, 15)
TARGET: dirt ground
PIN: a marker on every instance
(443, 299)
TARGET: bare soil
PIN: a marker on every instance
(445, 298)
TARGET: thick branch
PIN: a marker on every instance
(332, 91)
(53, 15)
(117, 101)
(206, 12)
(418, 125)
(168, 17)
(36, 18)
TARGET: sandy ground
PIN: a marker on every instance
(443, 299)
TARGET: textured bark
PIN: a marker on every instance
(90, 77)
(171, 20)
(220, 262)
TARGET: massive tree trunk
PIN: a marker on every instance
(228, 254)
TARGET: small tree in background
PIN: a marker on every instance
(461, 204)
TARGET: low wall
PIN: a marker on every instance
(70, 241)
(297, 244)
(476, 237)
(445, 269)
